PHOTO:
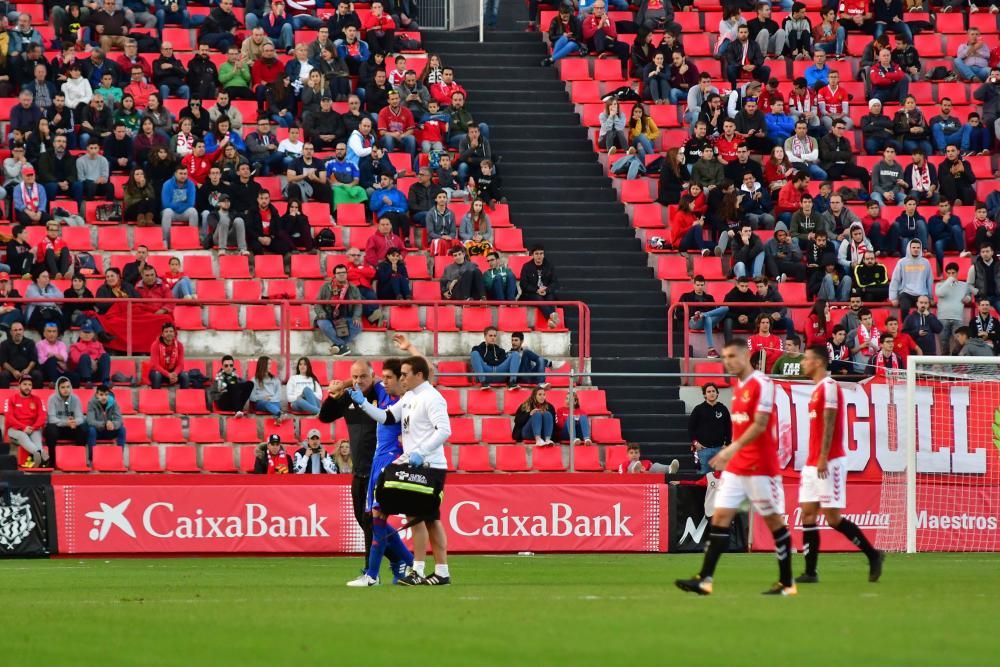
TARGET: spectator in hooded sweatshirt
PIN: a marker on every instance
(104, 419)
(489, 356)
(783, 258)
(953, 297)
(65, 417)
(912, 278)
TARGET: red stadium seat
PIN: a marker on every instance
(185, 238)
(269, 266)
(592, 401)
(182, 458)
(496, 430)
(151, 237)
(242, 430)
(199, 267)
(281, 289)
(189, 318)
(144, 459)
(508, 239)
(463, 431)
(454, 400)
(440, 318)
(614, 457)
(168, 430)
(306, 266)
(218, 458)
(483, 403)
(234, 266)
(574, 69)
(135, 430)
(204, 430)
(261, 318)
(285, 430)
(587, 459)
(404, 318)
(224, 318)
(113, 239)
(474, 458)
(71, 458)
(191, 402)
(155, 402)
(511, 458)
(109, 458)
(513, 398)
(585, 92)
(211, 290)
(77, 238)
(512, 318)
(318, 214)
(606, 431)
(547, 459)
(352, 215)
(636, 192)
(248, 457)
(476, 318)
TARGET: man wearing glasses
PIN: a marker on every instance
(230, 393)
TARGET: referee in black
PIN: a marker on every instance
(361, 431)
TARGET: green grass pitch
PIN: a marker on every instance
(502, 610)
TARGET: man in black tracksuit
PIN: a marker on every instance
(361, 432)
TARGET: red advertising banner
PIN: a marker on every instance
(220, 515)
(950, 517)
(205, 518)
(954, 429)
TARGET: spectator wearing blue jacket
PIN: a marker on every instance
(946, 233)
(389, 202)
(178, 197)
(780, 125)
(353, 50)
(222, 129)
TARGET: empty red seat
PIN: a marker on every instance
(587, 459)
(606, 431)
(135, 430)
(351, 215)
(463, 431)
(269, 266)
(71, 458)
(144, 459)
(182, 458)
(306, 266)
(204, 430)
(261, 318)
(574, 69)
(636, 192)
(474, 458)
(224, 318)
(508, 239)
(218, 458)
(480, 402)
(453, 367)
(151, 237)
(476, 318)
(416, 267)
(592, 401)
(248, 457)
(318, 214)
(705, 372)
(242, 430)
(512, 318)
(108, 458)
(513, 398)
(155, 402)
(200, 267)
(614, 457)
(547, 459)
(454, 400)
(168, 430)
(511, 458)
(77, 238)
(212, 290)
(440, 318)
(185, 238)
(404, 318)
(496, 429)
(191, 402)
(188, 318)
(113, 239)
(234, 266)
(285, 430)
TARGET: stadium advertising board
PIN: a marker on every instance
(949, 518)
(205, 516)
(955, 423)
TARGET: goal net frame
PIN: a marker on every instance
(920, 366)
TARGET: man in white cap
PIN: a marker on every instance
(312, 458)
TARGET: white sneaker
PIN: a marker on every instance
(363, 582)
(674, 466)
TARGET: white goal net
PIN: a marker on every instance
(947, 495)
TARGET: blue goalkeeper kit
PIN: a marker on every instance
(385, 540)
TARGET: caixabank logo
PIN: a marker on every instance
(206, 519)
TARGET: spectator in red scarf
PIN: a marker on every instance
(52, 253)
(272, 459)
(885, 361)
(166, 359)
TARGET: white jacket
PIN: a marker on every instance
(77, 91)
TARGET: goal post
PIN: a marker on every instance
(950, 500)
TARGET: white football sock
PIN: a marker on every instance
(418, 567)
(441, 570)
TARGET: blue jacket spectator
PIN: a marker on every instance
(176, 197)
